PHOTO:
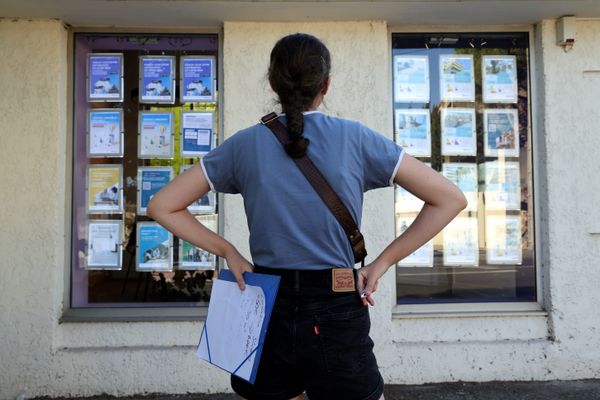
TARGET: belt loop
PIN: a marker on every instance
(297, 280)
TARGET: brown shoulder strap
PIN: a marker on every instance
(322, 187)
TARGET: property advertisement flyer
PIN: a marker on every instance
(413, 132)
(150, 181)
(104, 189)
(192, 257)
(458, 132)
(156, 134)
(157, 79)
(502, 185)
(501, 127)
(105, 130)
(411, 79)
(463, 175)
(457, 81)
(503, 239)
(196, 133)
(499, 79)
(105, 77)
(104, 244)
(461, 246)
(205, 204)
(422, 257)
(155, 247)
(197, 79)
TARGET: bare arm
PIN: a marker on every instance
(168, 207)
(443, 201)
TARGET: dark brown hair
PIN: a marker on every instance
(298, 70)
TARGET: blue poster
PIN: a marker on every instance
(197, 76)
(197, 133)
(154, 247)
(157, 77)
(105, 73)
(151, 180)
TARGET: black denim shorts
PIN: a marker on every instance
(317, 341)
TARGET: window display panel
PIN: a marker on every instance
(129, 140)
(473, 126)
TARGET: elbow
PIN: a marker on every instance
(460, 201)
(151, 210)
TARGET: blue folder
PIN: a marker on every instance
(218, 340)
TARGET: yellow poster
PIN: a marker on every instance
(104, 188)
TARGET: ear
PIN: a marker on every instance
(326, 86)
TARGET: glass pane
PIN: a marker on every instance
(461, 105)
(126, 145)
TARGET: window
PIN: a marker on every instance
(462, 105)
(145, 108)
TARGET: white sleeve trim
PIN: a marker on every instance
(391, 182)
(212, 187)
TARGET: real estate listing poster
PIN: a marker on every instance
(501, 127)
(192, 257)
(499, 79)
(457, 81)
(105, 133)
(458, 132)
(104, 77)
(104, 244)
(413, 131)
(157, 79)
(155, 247)
(156, 136)
(197, 79)
(104, 188)
(503, 239)
(502, 189)
(461, 246)
(197, 129)
(411, 79)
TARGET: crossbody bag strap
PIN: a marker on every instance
(322, 187)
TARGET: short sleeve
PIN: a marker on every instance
(381, 159)
(219, 167)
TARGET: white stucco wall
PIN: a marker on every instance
(569, 167)
(127, 358)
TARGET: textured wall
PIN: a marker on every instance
(32, 146)
(127, 358)
(570, 168)
(35, 351)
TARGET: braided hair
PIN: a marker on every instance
(298, 71)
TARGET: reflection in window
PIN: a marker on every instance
(461, 105)
(145, 109)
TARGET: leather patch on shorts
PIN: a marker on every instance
(342, 280)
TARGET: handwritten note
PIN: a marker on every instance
(233, 327)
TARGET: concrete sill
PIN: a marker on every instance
(468, 310)
(134, 314)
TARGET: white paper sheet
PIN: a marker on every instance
(233, 326)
